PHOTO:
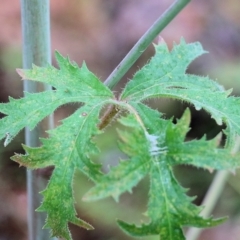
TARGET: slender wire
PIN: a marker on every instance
(35, 18)
(144, 42)
(212, 195)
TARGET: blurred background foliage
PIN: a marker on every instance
(101, 32)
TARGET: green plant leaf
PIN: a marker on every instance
(135, 144)
(164, 76)
(153, 145)
(66, 149)
(129, 171)
(169, 208)
(73, 84)
(199, 153)
(70, 145)
(154, 150)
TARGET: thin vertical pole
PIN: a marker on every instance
(35, 17)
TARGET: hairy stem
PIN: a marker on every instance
(144, 42)
(108, 116)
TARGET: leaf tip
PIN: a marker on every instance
(116, 198)
(59, 57)
(58, 54)
(87, 198)
(218, 120)
(8, 139)
(20, 72)
(161, 40)
(83, 224)
(182, 41)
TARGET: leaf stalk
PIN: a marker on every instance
(144, 42)
(138, 50)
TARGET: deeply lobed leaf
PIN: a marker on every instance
(129, 172)
(73, 85)
(167, 70)
(69, 78)
(199, 153)
(72, 138)
(154, 145)
(164, 76)
(69, 145)
(169, 207)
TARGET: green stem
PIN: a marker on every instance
(213, 195)
(144, 42)
(35, 18)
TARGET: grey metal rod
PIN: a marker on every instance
(35, 17)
